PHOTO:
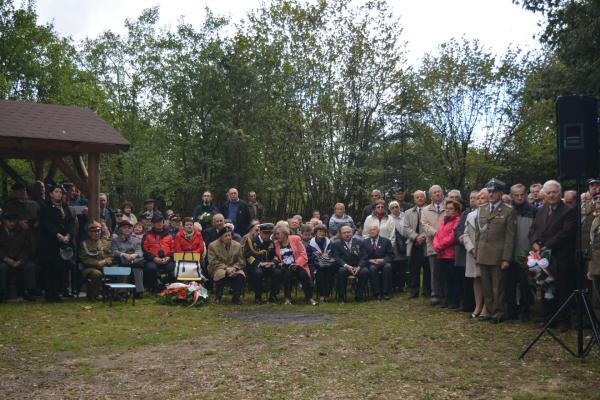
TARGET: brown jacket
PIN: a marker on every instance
(495, 234)
(20, 245)
(220, 259)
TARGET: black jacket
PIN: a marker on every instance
(51, 222)
(242, 223)
(383, 250)
(344, 256)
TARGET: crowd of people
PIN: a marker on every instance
(464, 254)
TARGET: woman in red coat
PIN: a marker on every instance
(189, 239)
(443, 243)
(291, 257)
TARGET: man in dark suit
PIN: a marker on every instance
(211, 234)
(555, 226)
(237, 211)
(377, 257)
(347, 252)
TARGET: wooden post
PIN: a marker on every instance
(39, 169)
(80, 167)
(51, 170)
(93, 186)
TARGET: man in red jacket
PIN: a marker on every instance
(158, 252)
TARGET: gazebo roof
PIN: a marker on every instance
(28, 129)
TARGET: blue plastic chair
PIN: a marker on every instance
(111, 287)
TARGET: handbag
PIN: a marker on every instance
(324, 261)
(187, 267)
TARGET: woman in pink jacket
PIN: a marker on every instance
(291, 257)
(443, 243)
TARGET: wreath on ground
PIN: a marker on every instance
(192, 294)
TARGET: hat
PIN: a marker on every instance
(94, 226)
(118, 212)
(593, 180)
(18, 186)
(125, 222)
(157, 217)
(146, 215)
(266, 227)
(495, 184)
(398, 188)
(224, 231)
(149, 200)
(10, 215)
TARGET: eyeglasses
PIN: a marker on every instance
(379, 207)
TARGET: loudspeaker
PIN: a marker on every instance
(577, 136)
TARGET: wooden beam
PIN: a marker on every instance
(39, 168)
(11, 172)
(80, 167)
(94, 186)
(69, 173)
(32, 147)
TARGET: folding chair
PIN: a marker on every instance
(111, 287)
(187, 267)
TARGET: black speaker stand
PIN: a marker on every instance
(580, 296)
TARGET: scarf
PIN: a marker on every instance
(188, 236)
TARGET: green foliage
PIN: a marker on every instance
(307, 103)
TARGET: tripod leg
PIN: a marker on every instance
(594, 322)
(545, 328)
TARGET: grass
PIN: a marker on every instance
(397, 349)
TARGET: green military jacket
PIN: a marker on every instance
(594, 263)
(91, 252)
(494, 234)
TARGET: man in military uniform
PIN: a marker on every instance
(259, 254)
(495, 239)
(95, 253)
(593, 273)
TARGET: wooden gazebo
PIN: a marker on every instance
(50, 135)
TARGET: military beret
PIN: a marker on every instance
(224, 231)
(593, 180)
(266, 227)
(495, 184)
(94, 226)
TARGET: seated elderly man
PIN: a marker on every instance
(95, 253)
(348, 253)
(127, 251)
(16, 252)
(259, 255)
(226, 265)
(377, 257)
(158, 251)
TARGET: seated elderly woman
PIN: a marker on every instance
(324, 263)
(291, 258)
(189, 239)
(385, 223)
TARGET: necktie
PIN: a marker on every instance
(437, 208)
(550, 210)
(418, 230)
(374, 243)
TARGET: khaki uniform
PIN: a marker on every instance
(494, 243)
(594, 263)
(91, 253)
